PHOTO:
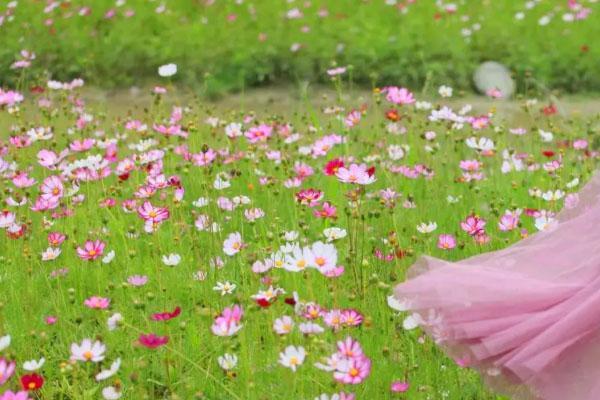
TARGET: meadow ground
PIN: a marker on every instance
(173, 231)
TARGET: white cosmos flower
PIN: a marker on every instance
(283, 325)
(227, 361)
(4, 342)
(111, 393)
(481, 144)
(290, 236)
(545, 223)
(292, 357)
(411, 322)
(34, 365)
(50, 254)
(224, 287)
(334, 233)
(221, 183)
(445, 91)
(107, 373)
(167, 70)
(201, 202)
(323, 256)
(553, 195)
(396, 304)
(171, 260)
(233, 244)
(88, 351)
(113, 321)
(546, 136)
(310, 328)
(427, 227)
(108, 257)
(573, 183)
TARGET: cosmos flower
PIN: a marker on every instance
(292, 357)
(91, 250)
(88, 351)
(152, 341)
(233, 244)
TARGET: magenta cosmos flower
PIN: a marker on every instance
(153, 341)
(91, 250)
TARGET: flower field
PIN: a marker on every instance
(169, 231)
(172, 252)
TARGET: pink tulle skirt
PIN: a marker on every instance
(526, 317)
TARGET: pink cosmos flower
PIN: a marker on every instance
(309, 197)
(82, 145)
(327, 211)
(55, 239)
(96, 302)
(399, 386)
(91, 250)
(351, 317)
(508, 222)
(7, 369)
(10, 98)
(259, 133)
(228, 323)
(10, 395)
(353, 371)
(356, 174)
(446, 242)
(353, 118)
(148, 212)
(23, 180)
(137, 280)
(398, 95)
(473, 225)
(52, 187)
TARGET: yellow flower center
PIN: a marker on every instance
(320, 261)
(353, 372)
(88, 355)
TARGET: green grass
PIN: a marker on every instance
(187, 367)
(380, 43)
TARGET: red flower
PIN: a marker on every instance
(549, 110)
(32, 382)
(371, 171)
(290, 300)
(165, 316)
(264, 303)
(393, 115)
(153, 341)
(332, 166)
(37, 90)
(548, 153)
